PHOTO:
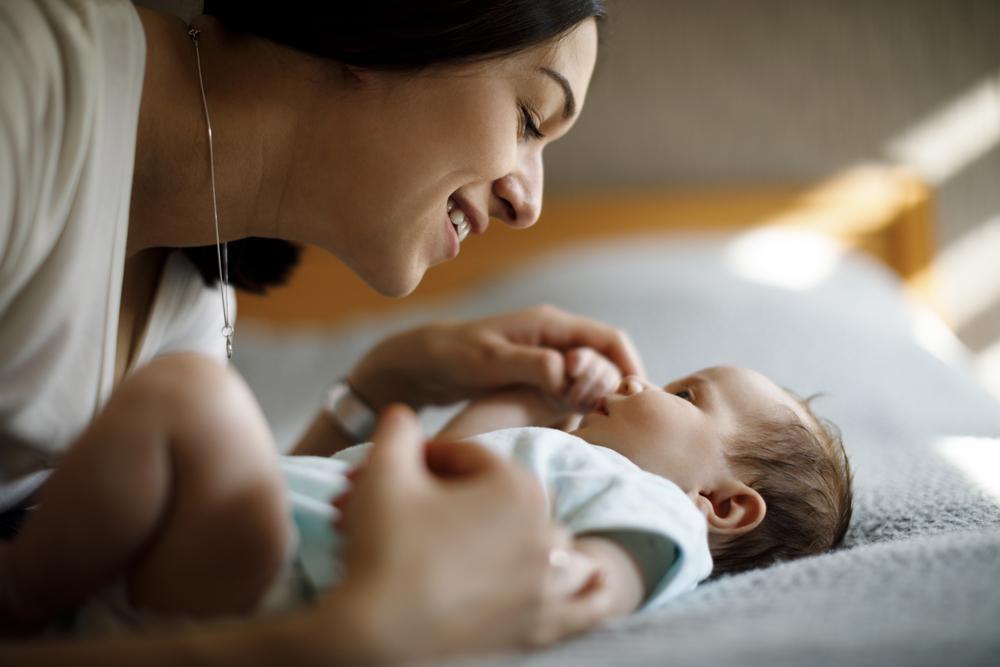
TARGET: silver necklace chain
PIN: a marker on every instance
(222, 249)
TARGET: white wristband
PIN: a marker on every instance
(349, 412)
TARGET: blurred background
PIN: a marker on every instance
(717, 94)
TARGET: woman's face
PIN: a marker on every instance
(411, 148)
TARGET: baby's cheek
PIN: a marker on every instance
(652, 414)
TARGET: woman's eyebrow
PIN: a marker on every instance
(569, 108)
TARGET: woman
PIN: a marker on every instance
(384, 133)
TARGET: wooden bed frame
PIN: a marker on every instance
(882, 210)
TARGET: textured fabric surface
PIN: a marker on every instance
(917, 580)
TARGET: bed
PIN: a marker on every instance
(917, 581)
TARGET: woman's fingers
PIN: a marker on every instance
(514, 363)
(448, 459)
(445, 362)
(570, 570)
(564, 330)
(396, 453)
(397, 441)
(569, 615)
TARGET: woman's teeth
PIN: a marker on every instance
(462, 227)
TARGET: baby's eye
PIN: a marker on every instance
(686, 394)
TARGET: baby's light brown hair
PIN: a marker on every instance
(801, 471)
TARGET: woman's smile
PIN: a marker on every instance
(455, 237)
(458, 220)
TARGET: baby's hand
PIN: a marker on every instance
(590, 376)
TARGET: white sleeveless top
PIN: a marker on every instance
(71, 75)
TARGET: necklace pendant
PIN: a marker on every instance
(227, 333)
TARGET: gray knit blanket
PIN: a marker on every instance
(917, 581)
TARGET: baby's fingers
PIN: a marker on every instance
(595, 376)
(578, 361)
(584, 392)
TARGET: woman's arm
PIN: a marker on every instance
(298, 639)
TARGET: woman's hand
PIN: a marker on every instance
(449, 552)
(444, 362)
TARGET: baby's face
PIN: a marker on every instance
(678, 431)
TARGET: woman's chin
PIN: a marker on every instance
(395, 286)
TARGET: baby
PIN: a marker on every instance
(720, 466)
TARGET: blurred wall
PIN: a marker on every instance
(722, 91)
(756, 91)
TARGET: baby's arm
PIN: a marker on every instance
(522, 406)
(589, 376)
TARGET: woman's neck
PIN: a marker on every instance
(171, 191)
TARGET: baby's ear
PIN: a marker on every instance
(732, 509)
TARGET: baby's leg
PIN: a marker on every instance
(175, 486)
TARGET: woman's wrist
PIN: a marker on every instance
(380, 379)
(378, 392)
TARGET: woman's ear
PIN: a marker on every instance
(733, 509)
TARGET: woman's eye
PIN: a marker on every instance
(685, 394)
(529, 128)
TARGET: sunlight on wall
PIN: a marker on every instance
(977, 458)
(969, 272)
(954, 136)
(932, 334)
(940, 147)
(795, 260)
(988, 365)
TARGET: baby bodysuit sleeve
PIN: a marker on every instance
(594, 490)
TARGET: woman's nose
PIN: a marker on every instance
(517, 197)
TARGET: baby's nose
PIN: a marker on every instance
(630, 384)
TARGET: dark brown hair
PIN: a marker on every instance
(802, 472)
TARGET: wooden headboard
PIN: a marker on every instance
(885, 211)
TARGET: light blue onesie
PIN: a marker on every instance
(590, 489)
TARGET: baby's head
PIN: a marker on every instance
(772, 480)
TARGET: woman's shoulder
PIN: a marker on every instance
(72, 76)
